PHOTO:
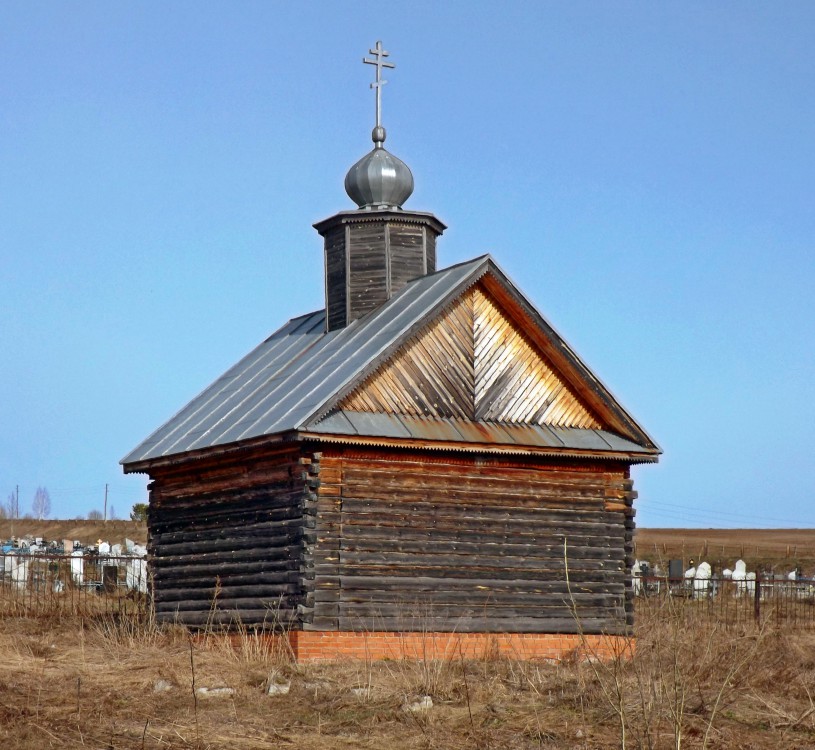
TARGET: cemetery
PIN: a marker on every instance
(39, 575)
(731, 596)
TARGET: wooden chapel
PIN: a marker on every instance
(425, 464)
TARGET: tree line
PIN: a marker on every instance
(41, 508)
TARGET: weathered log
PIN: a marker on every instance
(390, 558)
(218, 529)
(289, 592)
(194, 555)
(249, 549)
(474, 611)
(566, 625)
(265, 618)
(453, 598)
(466, 582)
(195, 586)
(425, 543)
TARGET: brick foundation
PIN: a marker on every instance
(337, 645)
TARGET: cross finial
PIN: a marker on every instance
(379, 61)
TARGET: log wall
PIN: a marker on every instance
(348, 539)
(226, 539)
(412, 543)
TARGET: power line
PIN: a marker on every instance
(671, 510)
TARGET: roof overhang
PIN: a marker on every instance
(496, 445)
(481, 448)
(364, 216)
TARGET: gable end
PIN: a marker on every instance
(472, 362)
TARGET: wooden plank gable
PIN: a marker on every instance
(431, 375)
(474, 362)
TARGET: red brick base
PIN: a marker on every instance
(333, 645)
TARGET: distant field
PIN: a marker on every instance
(781, 549)
(87, 532)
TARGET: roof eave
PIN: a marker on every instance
(633, 457)
(147, 466)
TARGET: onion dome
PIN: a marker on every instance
(379, 180)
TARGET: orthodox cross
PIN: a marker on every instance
(380, 63)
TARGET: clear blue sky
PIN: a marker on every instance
(644, 171)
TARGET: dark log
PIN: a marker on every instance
(269, 603)
(467, 582)
(193, 555)
(204, 587)
(241, 525)
(354, 534)
(289, 592)
(566, 625)
(475, 598)
(191, 566)
(427, 544)
(390, 558)
(457, 611)
(264, 618)
(245, 549)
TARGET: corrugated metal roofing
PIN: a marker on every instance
(282, 383)
(359, 424)
(295, 377)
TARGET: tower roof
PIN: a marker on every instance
(379, 180)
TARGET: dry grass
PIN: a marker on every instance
(691, 684)
(87, 532)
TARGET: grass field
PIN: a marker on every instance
(765, 549)
(105, 683)
(87, 532)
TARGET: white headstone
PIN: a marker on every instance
(636, 569)
(739, 575)
(77, 567)
(701, 581)
(136, 575)
(19, 571)
(751, 583)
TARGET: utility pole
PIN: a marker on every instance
(15, 511)
(105, 516)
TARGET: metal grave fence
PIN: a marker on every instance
(778, 601)
(40, 584)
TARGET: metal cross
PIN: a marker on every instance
(380, 63)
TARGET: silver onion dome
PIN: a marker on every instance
(379, 180)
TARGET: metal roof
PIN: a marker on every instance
(351, 424)
(284, 381)
(295, 377)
